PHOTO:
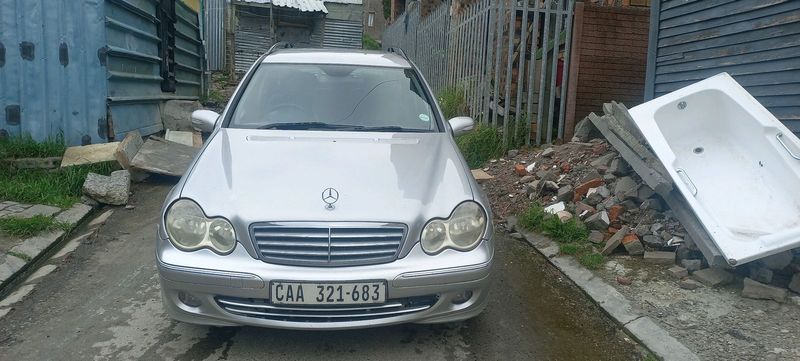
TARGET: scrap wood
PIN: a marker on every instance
(161, 156)
(89, 154)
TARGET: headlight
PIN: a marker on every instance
(462, 231)
(189, 229)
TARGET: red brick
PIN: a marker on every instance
(614, 212)
(580, 191)
(520, 170)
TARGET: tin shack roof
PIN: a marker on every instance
(304, 5)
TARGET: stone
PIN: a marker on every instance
(619, 167)
(642, 230)
(513, 153)
(626, 188)
(653, 204)
(656, 228)
(89, 201)
(37, 210)
(760, 273)
(596, 237)
(582, 189)
(794, 285)
(608, 177)
(113, 189)
(546, 175)
(615, 240)
(33, 246)
(555, 208)
(598, 221)
(527, 179)
(564, 216)
(625, 281)
(632, 244)
(520, 170)
(565, 193)
(778, 261)
(644, 192)
(689, 284)
(583, 210)
(177, 114)
(659, 257)
(548, 152)
(550, 186)
(678, 272)
(74, 214)
(603, 160)
(594, 199)
(584, 130)
(713, 277)
(127, 148)
(759, 291)
(653, 241)
(692, 265)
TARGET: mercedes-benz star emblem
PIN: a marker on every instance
(330, 196)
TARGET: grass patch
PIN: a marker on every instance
(572, 236)
(453, 102)
(29, 227)
(480, 145)
(368, 43)
(213, 97)
(21, 256)
(24, 146)
(60, 187)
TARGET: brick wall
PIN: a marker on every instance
(609, 59)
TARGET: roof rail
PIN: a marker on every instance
(397, 51)
(279, 45)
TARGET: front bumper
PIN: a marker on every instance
(212, 280)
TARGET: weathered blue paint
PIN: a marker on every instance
(52, 97)
(756, 41)
(90, 69)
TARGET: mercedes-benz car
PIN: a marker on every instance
(330, 194)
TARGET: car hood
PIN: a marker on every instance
(266, 175)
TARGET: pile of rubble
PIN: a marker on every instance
(588, 180)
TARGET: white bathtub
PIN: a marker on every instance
(733, 161)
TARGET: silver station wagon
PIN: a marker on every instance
(330, 195)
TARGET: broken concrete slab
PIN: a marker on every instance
(89, 154)
(41, 272)
(759, 291)
(16, 296)
(163, 157)
(74, 214)
(713, 277)
(626, 188)
(678, 272)
(177, 114)
(598, 221)
(33, 246)
(127, 149)
(692, 265)
(760, 273)
(37, 210)
(113, 189)
(596, 237)
(9, 265)
(615, 241)
(659, 340)
(565, 193)
(480, 175)
(632, 244)
(101, 219)
(180, 137)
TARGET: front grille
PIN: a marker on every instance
(329, 245)
(261, 308)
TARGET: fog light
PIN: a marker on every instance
(462, 297)
(189, 299)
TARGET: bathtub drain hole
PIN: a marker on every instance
(698, 150)
(682, 105)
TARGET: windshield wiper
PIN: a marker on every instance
(392, 129)
(303, 126)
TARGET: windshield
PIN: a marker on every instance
(334, 97)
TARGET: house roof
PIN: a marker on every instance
(305, 5)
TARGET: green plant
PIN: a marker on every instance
(572, 236)
(22, 256)
(591, 260)
(213, 96)
(28, 227)
(532, 218)
(368, 43)
(61, 187)
(480, 145)
(453, 102)
(24, 146)
(517, 131)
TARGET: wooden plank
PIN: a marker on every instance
(128, 148)
(163, 157)
(89, 154)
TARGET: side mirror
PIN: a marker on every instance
(461, 125)
(204, 120)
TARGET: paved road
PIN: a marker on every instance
(103, 303)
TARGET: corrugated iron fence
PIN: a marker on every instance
(215, 33)
(508, 58)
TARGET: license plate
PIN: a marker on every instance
(327, 293)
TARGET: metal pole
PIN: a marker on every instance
(521, 68)
(532, 72)
(542, 75)
(554, 75)
(498, 41)
(564, 76)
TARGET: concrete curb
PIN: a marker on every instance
(642, 328)
(38, 247)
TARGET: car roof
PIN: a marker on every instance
(338, 56)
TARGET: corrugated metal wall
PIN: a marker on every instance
(135, 95)
(252, 36)
(756, 41)
(215, 33)
(342, 34)
(51, 77)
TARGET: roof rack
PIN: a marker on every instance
(279, 45)
(397, 51)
